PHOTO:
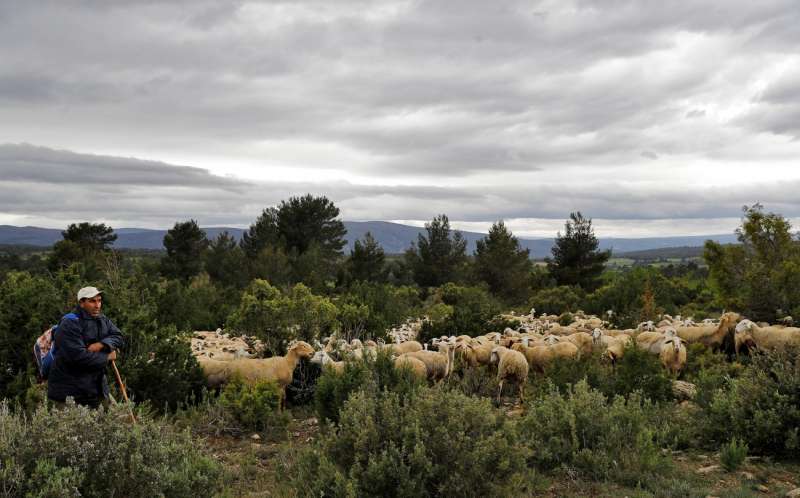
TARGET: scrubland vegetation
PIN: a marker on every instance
(603, 422)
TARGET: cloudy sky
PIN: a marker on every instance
(652, 117)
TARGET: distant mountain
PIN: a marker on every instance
(393, 237)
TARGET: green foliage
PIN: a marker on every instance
(503, 264)
(732, 455)
(166, 375)
(262, 233)
(440, 257)
(186, 244)
(600, 438)
(276, 318)
(556, 300)
(576, 258)
(254, 407)
(225, 262)
(29, 305)
(96, 453)
(761, 276)
(565, 319)
(376, 374)
(627, 295)
(366, 262)
(194, 305)
(435, 443)
(471, 310)
(761, 407)
(368, 310)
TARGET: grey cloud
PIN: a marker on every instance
(695, 113)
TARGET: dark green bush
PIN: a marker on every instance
(470, 313)
(732, 455)
(254, 407)
(435, 443)
(762, 407)
(376, 375)
(167, 377)
(565, 319)
(76, 451)
(603, 439)
(557, 300)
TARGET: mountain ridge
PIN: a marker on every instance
(393, 237)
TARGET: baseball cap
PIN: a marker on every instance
(88, 293)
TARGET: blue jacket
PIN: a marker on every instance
(76, 371)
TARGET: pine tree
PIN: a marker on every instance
(367, 260)
(503, 264)
(440, 257)
(185, 243)
(576, 258)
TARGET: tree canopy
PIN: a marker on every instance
(576, 259)
(440, 257)
(503, 264)
(185, 243)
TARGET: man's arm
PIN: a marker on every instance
(69, 342)
(114, 339)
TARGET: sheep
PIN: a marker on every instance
(416, 366)
(476, 354)
(764, 338)
(439, 364)
(404, 347)
(652, 341)
(215, 371)
(322, 358)
(277, 368)
(673, 355)
(710, 336)
(613, 347)
(511, 366)
(582, 340)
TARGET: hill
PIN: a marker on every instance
(393, 237)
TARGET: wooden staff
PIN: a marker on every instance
(122, 388)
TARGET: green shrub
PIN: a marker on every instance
(167, 377)
(761, 408)
(76, 451)
(435, 443)
(470, 312)
(732, 455)
(605, 440)
(556, 300)
(377, 375)
(254, 407)
(565, 319)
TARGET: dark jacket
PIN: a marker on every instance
(76, 371)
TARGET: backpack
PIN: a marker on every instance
(44, 349)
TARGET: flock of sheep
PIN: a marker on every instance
(534, 344)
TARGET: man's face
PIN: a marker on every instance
(92, 305)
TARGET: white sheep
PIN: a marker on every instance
(673, 355)
(511, 366)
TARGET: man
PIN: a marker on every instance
(86, 340)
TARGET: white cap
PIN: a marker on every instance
(88, 293)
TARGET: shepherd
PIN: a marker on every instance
(86, 340)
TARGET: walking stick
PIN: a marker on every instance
(122, 388)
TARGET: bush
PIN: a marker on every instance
(470, 311)
(81, 452)
(556, 300)
(254, 407)
(732, 455)
(376, 375)
(168, 377)
(434, 443)
(762, 407)
(565, 319)
(606, 440)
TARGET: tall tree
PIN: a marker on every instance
(576, 258)
(308, 220)
(440, 257)
(225, 261)
(367, 260)
(503, 264)
(262, 233)
(185, 243)
(761, 275)
(82, 243)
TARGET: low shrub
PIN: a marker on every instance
(76, 451)
(732, 455)
(761, 408)
(254, 407)
(375, 374)
(434, 443)
(565, 319)
(556, 300)
(603, 439)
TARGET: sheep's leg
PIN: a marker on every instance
(499, 392)
(521, 392)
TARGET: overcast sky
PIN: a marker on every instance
(651, 117)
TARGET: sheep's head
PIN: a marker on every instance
(743, 335)
(302, 349)
(552, 339)
(495, 357)
(319, 358)
(670, 333)
(356, 344)
(597, 336)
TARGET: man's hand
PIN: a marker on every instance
(96, 347)
(112, 356)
